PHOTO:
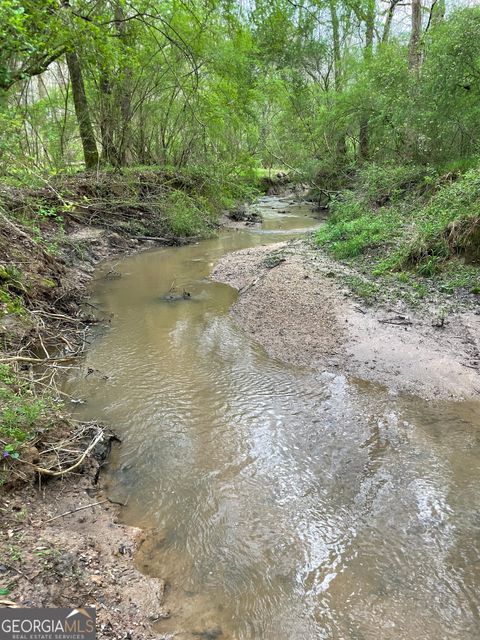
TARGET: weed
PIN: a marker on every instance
(21, 413)
(10, 303)
(15, 553)
(273, 259)
(49, 213)
(349, 237)
(184, 216)
(429, 267)
(368, 291)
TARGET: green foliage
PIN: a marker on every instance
(219, 93)
(10, 303)
(390, 183)
(426, 224)
(363, 288)
(20, 412)
(184, 217)
(350, 238)
(30, 33)
(449, 223)
(193, 84)
(11, 275)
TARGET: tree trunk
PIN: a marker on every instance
(87, 135)
(414, 52)
(336, 45)
(341, 145)
(125, 88)
(364, 134)
(388, 21)
(106, 119)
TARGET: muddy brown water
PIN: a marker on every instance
(279, 502)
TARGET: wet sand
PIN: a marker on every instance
(301, 313)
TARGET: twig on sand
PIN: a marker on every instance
(67, 513)
(397, 320)
(249, 286)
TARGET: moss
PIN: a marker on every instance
(10, 303)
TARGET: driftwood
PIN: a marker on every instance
(38, 360)
(54, 474)
(154, 238)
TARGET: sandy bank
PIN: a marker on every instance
(300, 312)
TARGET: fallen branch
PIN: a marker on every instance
(16, 229)
(38, 360)
(154, 238)
(395, 321)
(54, 474)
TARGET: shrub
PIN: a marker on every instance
(390, 183)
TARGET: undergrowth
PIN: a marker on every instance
(410, 224)
(152, 201)
(22, 417)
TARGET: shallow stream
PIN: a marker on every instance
(281, 503)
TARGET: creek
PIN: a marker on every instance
(279, 502)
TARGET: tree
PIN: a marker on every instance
(87, 135)
(414, 50)
(31, 39)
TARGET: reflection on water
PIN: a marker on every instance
(282, 503)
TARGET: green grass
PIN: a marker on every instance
(408, 220)
(367, 291)
(184, 215)
(348, 238)
(10, 303)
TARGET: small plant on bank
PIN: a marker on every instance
(22, 416)
(274, 259)
(10, 303)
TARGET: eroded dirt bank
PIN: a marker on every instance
(84, 558)
(291, 298)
